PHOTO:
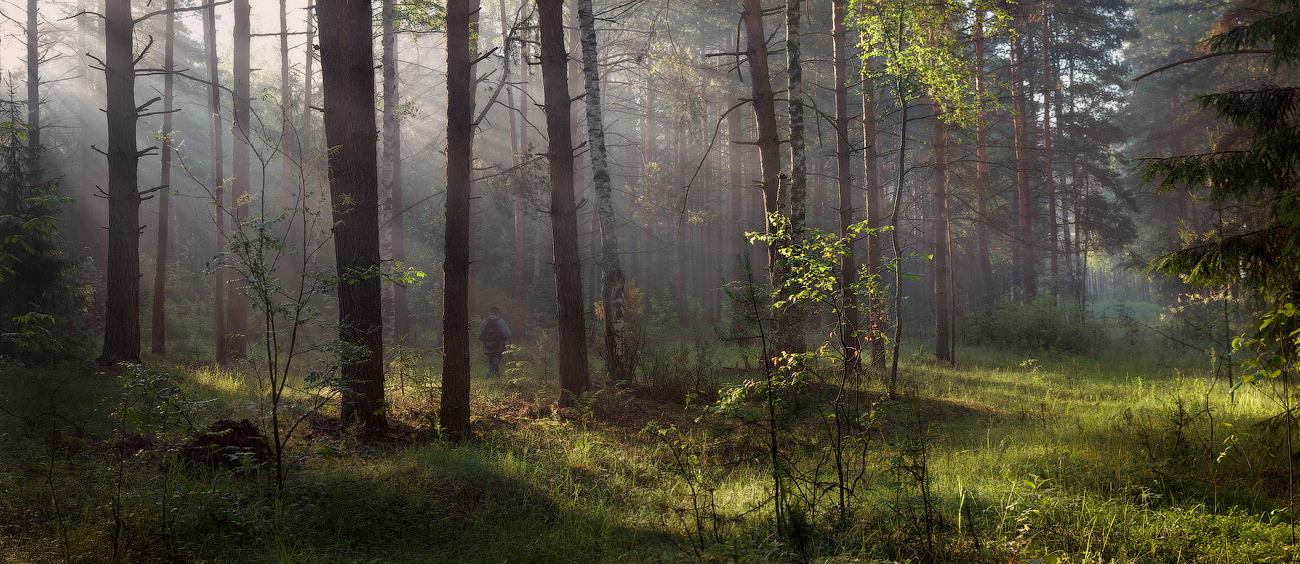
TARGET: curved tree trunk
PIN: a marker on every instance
(612, 293)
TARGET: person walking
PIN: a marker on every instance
(493, 333)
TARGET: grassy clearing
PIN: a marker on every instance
(1134, 456)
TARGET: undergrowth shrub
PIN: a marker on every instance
(1041, 325)
(680, 373)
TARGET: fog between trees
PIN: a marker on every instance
(993, 144)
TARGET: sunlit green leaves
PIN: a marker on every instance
(921, 49)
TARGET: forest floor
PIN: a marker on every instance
(1134, 455)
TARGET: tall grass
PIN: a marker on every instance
(1126, 457)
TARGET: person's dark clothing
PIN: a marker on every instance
(494, 354)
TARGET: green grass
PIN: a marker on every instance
(1128, 457)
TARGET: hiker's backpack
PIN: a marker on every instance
(492, 337)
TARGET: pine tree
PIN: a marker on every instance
(1261, 166)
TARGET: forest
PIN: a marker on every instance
(998, 281)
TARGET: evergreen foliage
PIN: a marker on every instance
(40, 308)
(1256, 165)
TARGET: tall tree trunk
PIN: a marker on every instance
(564, 214)
(516, 150)
(347, 70)
(158, 325)
(390, 188)
(1049, 181)
(985, 282)
(682, 214)
(33, 75)
(236, 302)
(735, 232)
(92, 212)
(612, 294)
(649, 186)
(848, 274)
(792, 324)
(521, 216)
(122, 276)
(308, 148)
(1025, 244)
(942, 345)
(455, 271)
(286, 124)
(872, 186)
(216, 179)
(769, 148)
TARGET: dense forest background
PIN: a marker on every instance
(767, 256)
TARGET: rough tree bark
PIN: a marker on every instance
(942, 344)
(769, 148)
(308, 150)
(158, 324)
(985, 283)
(392, 241)
(792, 326)
(33, 74)
(241, 171)
(216, 180)
(612, 294)
(848, 320)
(454, 417)
(564, 221)
(122, 273)
(286, 124)
(1025, 245)
(872, 187)
(347, 70)
(735, 168)
(1049, 183)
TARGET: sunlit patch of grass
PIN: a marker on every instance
(223, 381)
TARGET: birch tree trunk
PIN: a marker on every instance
(1049, 181)
(612, 294)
